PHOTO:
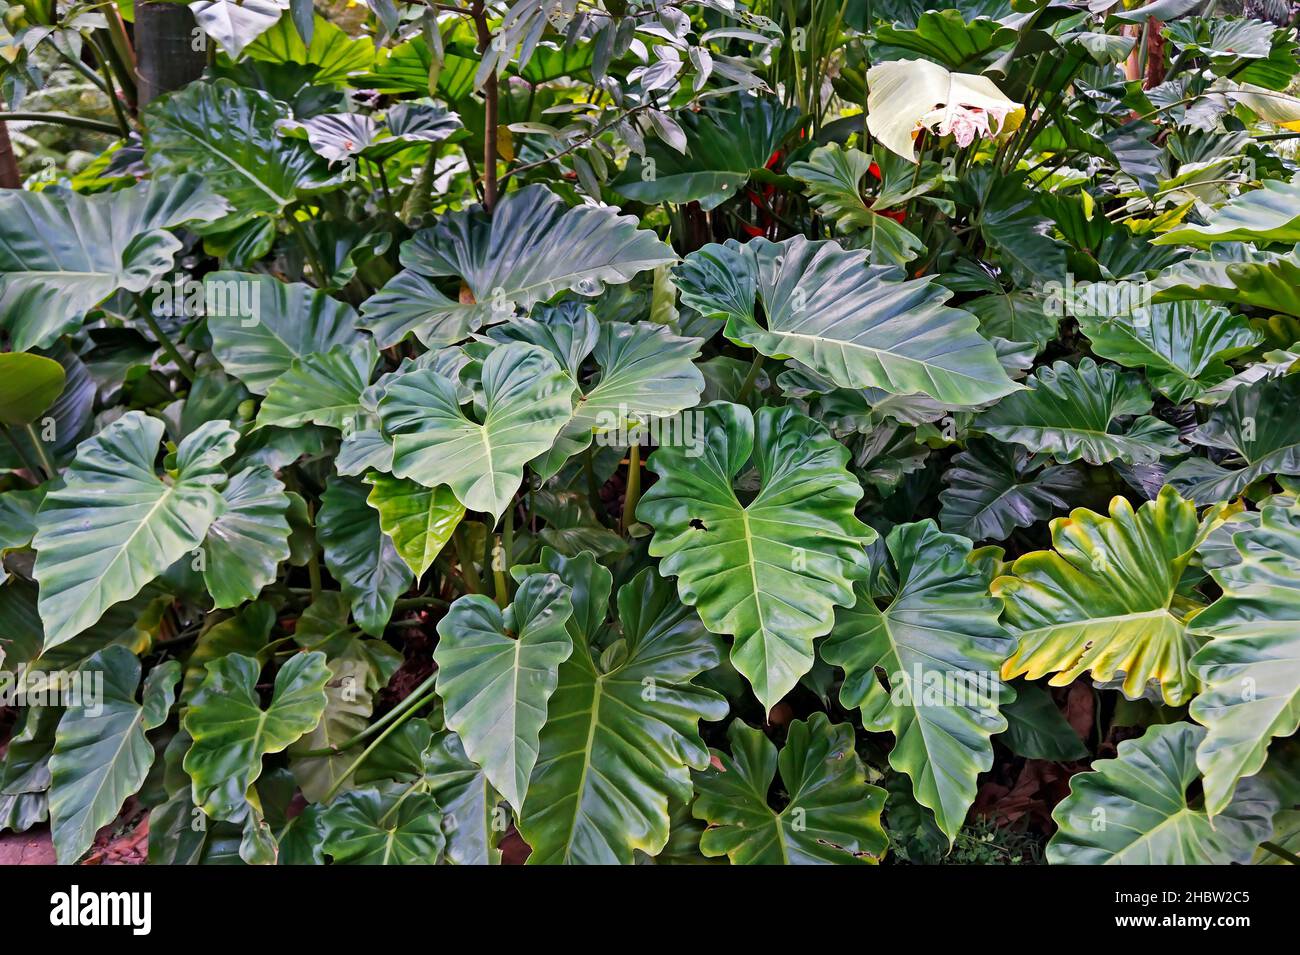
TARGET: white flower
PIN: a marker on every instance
(964, 122)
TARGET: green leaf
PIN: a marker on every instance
(723, 146)
(61, 254)
(466, 799)
(1238, 275)
(833, 176)
(622, 730)
(350, 698)
(994, 488)
(115, 525)
(1011, 222)
(938, 644)
(1074, 412)
(1268, 214)
(333, 53)
(1106, 600)
(949, 37)
(496, 672)
(287, 321)
(386, 826)
(359, 555)
(419, 520)
(231, 732)
(770, 571)
(859, 327)
(29, 384)
(1250, 665)
(1134, 810)
(227, 133)
(645, 373)
(246, 543)
(101, 754)
(1037, 729)
(1182, 345)
(532, 247)
(1258, 426)
(527, 400)
(832, 816)
(323, 388)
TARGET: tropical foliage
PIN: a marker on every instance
(624, 431)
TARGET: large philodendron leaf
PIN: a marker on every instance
(622, 733)
(246, 543)
(860, 326)
(29, 385)
(259, 325)
(994, 488)
(645, 372)
(1259, 426)
(419, 520)
(324, 389)
(723, 146)
(496, 672)
(909, 95)
(1105, 599)
(360, 556)
(770, 571)
(101, 754)
(1182, 345)
(1076, 412)
(1134, 810)
(831, 817)
(1236, 274)
(231, 732)
(1250, 666)
(62, 253)
(388, 826)
(227, 133)
(115, 525)
(531, 247)
(936, 639)
(527, 400)
(1270, 214)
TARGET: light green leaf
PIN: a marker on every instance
(61, 254)
(1074, 412)
(532, 247)
(770, 571)
(231, 732)
(831, 817)
(527, 400)
(1250, 665)
(1106, 599)
(861, 327)
(622, 731)
(246, 543)
(101, 754)
(419, 520)
(323, 388)
(29, 384)
(286, 321)
(938, 644)
(1268, 214)
(360, 556)
(1134, 810)
(496, 672)
(386, 826)
(115, 525)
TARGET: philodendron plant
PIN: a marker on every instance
(612, 432)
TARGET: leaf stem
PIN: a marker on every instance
(168, 346)
(391, 720)
(468, 572)
(633, 493)
(1281, 853)
(63, 119)
(751, 378)
(39, 445)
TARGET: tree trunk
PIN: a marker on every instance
(165, 48)
(8, 161)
